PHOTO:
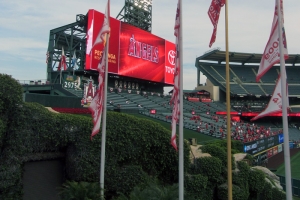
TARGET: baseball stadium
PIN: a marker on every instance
(141, 65)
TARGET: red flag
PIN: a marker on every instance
(97, 103)
(47, 57)
(275, 103)
(176, 91)
(214, 13)
(62, 61)
(271, 54)
(101, 37)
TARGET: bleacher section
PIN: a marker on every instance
(237, 89)
(269, 89)
(271, 75)
(204, 120)
(254, 89)
(243, 68)
(245, 74)
(294, 89)
(293, 75)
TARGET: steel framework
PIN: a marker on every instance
(71, 37)
(137, 13)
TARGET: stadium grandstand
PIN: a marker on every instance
(133, 90)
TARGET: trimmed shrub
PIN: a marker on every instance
(210, 167)
(79, 190)
(197, 187)
(218, 152)
(237, 192)
(130, 142)
(256, 182)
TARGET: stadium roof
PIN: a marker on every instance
(216, 55)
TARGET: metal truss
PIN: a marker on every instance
(137, 13)
(72, 38)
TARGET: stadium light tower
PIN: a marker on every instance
(137, 13)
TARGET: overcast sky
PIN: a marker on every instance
(25, 26)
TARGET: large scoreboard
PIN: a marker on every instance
(133, 52)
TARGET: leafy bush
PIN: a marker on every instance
(130, 142)
(2, 132)
(210, 167)
(124, 179)
(197, 187)
(219, 152)
(256, 182)
(236, 145)
(238, 193)
(72, 190)
(10, 97)
(153, 190)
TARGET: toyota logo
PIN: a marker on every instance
(172, 57)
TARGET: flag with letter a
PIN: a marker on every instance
(214, 13)
(96, 106)
(271, 55)
(176, 91)
(275, 103)
(101, 37)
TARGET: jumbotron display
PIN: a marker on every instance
(133, 52)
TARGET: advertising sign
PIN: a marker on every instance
(142, 55)
(93, 54)
(280, 138)
(169, 62)
(133, 52)
(279, 148)
(270, 153)
(275, 150)
(72, 82)
(152, 111)
(88, 93)
(260, 145)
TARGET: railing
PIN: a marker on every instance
(295, 185)
(34, 82)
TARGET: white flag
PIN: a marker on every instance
(89, 40)
(275, 103)
(271, 55)
(97, 104)
(176, 91)
(101, 37)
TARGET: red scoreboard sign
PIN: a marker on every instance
(133, 52)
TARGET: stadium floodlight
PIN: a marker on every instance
(143, 3)
(137, 13)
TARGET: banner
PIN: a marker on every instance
(271, 54)
(133, 52)
(257, 146)
(279, 148)
(275, 103)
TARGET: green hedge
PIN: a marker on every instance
(130, 141)
(219, 152)
(136, 149)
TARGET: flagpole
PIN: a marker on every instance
(103, 140)
(60, 75)
(288, 180)
(229, 167)
(181, 159)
